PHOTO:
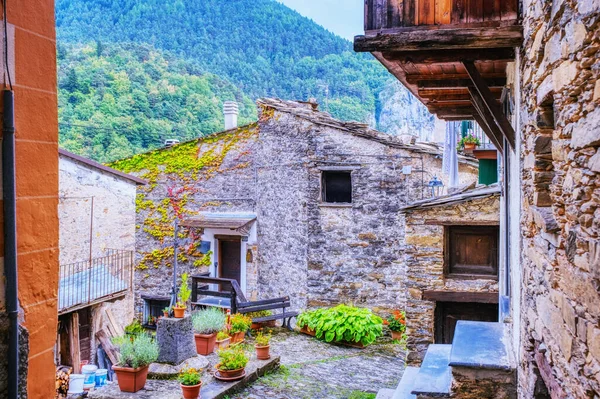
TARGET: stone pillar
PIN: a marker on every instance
(175, 339)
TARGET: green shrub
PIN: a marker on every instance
(240, 323)
(184, 291)
(138, 351)
(343, 323)
(222, 335)
(232, 358)
(134, 328)
(208, 321)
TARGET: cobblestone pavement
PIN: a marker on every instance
(311, 369)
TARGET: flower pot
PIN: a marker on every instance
(191, 391)
(165, 314)
(262, 352)
(469, 147)
(222, 344)
(205, 343)
(230, 373)
(178, 312)
(263, 324)
(397, 335)
(131, 380)
(308, 331)
(237, 337)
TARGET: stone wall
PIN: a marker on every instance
(424, 249)
(560, 120)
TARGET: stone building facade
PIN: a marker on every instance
(559, 116)
(434, 292)
(273, 173)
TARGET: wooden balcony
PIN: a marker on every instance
(439, 48)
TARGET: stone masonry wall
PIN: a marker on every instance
(424, 260)
(560, 119)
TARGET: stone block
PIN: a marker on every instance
(597, 90)
(569, 316)
(585, 131)
(593, 341)
(552, 49)
(544, 219)
(594, 161)
(575, 34)
(564, 74)
(542, 198)
(175, 339)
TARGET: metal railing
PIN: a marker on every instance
(95, 280)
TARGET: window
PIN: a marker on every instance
(472, 250)
(336, 187)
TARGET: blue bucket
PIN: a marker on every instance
(101, 377)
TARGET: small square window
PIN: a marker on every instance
(472, 250)
(336, 187)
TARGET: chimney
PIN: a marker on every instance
(230, 110)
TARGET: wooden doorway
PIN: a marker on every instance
(448, 313)
(230, 259)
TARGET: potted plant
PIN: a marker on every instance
(239, 325)
(262, 345)
(166, 311)
(184, 295)
(469, 143)
(223, 340)
(136, 355)
(190, 382)
(397, 324)
(262, 324)
(207, 323)
(232, 362)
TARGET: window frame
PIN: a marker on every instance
(489, 230)
(323, 191)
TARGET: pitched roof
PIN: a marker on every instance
(101, 167)
(309, 111)
(467, 193)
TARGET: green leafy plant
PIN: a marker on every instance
(208, 321)
(184, 291)
(343, 323)
(134, 328)
(263, 339)
(189, 377)
(469, 139)
(167, 309)
(222, 335)
(397, 321)
(240, 323)
(137, 352)
(233, 358)
(260, 313)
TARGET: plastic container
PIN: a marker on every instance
(76, 383)
(89, 373)
(101, 377)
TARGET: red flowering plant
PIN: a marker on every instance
(397, 321)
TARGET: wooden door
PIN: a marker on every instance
(447, 314)
(230, 261)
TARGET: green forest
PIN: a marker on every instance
(133, 72)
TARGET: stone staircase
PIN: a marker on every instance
(478, 365)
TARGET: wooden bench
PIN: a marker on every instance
(234, 299)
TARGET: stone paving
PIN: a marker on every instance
(311, 369)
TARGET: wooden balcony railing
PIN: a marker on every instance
(391, 14)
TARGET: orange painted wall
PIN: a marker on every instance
(36, 122)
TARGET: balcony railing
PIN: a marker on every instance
(390, 14)
(96, 280)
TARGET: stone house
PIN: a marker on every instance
(296, 204)
(528, 73)
(97, 241)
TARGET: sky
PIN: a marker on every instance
(342, 17)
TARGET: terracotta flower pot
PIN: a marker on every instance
(131, 380)
(191, 391)
(262, 352)
(469, 147)
(258, 326)
(222, 344)
(179, 312)
(237, 337)
(230, 373)
(308, 331)
(205, 343)
(396, 335)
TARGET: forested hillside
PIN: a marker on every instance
(260, 46)
(118, 100)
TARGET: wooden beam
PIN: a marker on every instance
(486, 121)
(445, 56)
(450, 94)
(490, 103)
(460, 113)
(441, 82)
(545, 368)
(74, 350)
(111, 351)
(454, 296)
(441, 222)
(415, 79)
(442, 39)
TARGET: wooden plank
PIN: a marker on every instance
(545, 368)
(490, 103)
(457, 83)
(509, 10)
(490, 13)
(450, 56)
(475, 11)
(394, 13)
(75, 353)
(443, 12)
(116, 327)
(257, 308)
(458, 12)
(437, 222)
(415, 79)
(410, 12)
(111, 351)
(426, 12)
(264, 302)
(442, 39)
(456, 296)
(486, 121)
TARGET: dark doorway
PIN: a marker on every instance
(229, 265)
(448, 313)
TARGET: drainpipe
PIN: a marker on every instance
(10, 240)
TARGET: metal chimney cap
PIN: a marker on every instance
(230, 107)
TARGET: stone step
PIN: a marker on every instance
(434, 378)
(404, 389)
(385, 393)
(481, 345)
